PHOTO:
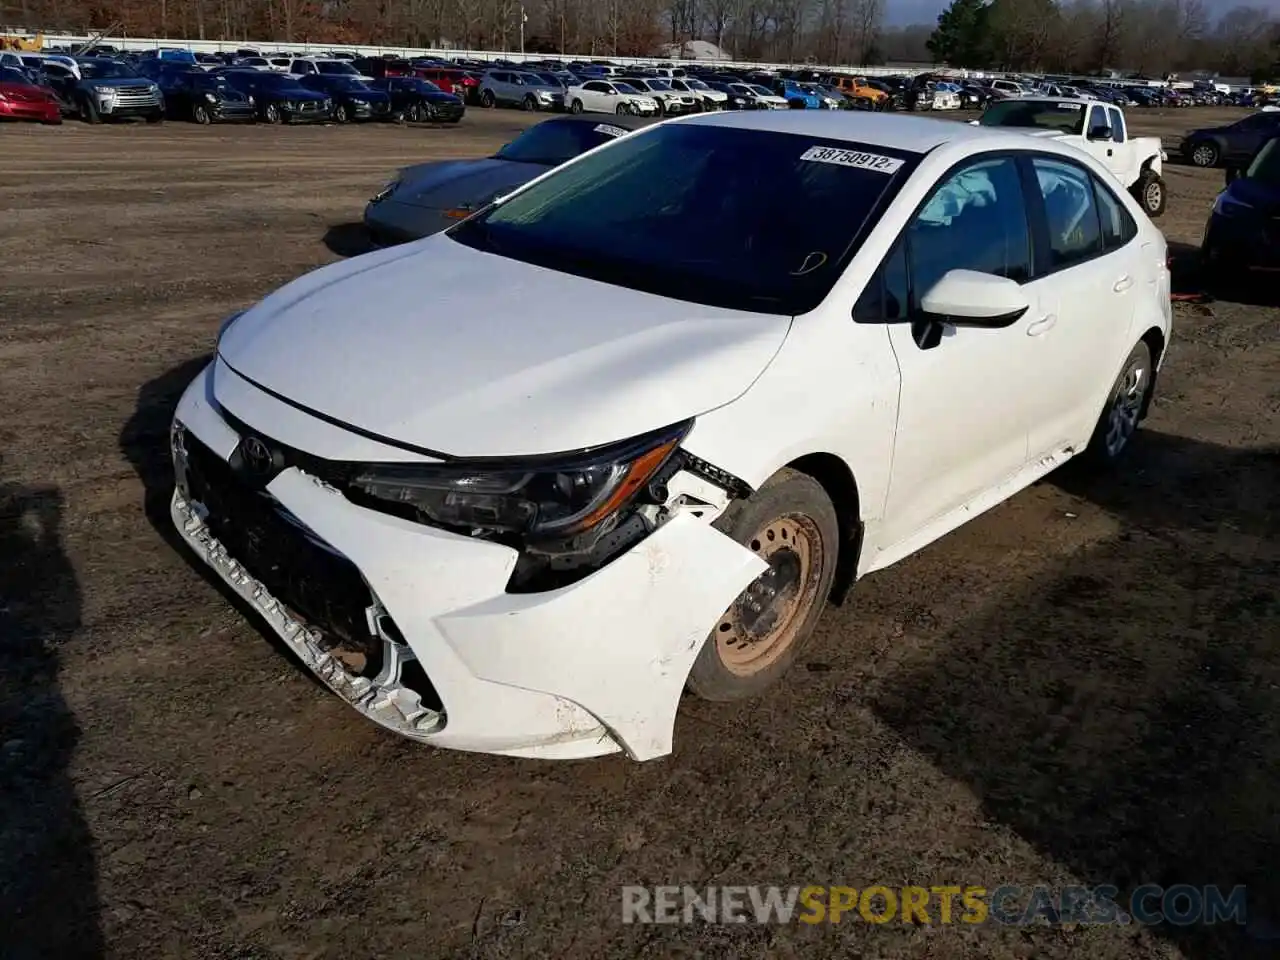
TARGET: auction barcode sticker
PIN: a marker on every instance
(853, 158)
(611, 130)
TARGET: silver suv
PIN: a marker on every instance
(519, 89)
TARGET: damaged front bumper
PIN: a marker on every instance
(583, 670)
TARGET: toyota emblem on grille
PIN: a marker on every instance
(256, 456)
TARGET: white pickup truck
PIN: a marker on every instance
(1097, 128)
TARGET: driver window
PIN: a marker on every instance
(975, 220)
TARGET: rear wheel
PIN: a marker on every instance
(1205, 154)
(1151, 193)
(791, 525)
(487, 98)
(1116, 427)
(575, 107)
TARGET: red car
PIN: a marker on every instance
(451, 80)
(20, 99)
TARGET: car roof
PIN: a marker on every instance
(912, 134)
(1048, 99)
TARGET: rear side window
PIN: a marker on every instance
(1118, 228)
(1118, 132)
(1075, 229)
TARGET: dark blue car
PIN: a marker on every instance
(352, 98)
(421, 101)
(1244, 228)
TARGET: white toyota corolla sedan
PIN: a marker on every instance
(625, 432)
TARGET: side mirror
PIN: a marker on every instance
(1233, 174)
(1100, 133)
(966, 298)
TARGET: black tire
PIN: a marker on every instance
(529, 104)
(340, 113)
(662, 106)
(487, 99)
(622, 110)
(1204, 153)
(576, 106)
(157, 117)
(1151, 193)
(414, 113)
(1126, 404)
(272, 114)
(200, 114)
(88, 112)
(791, 523)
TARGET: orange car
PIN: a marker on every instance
(858, 87)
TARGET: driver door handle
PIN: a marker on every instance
(1123, 284)
(1043, 325)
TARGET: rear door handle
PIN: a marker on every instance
(1123, 284)
(1043, 325)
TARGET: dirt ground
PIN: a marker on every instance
(1080, 687)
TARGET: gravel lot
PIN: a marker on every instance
(1078, 687)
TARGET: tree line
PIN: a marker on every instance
(1149, 36)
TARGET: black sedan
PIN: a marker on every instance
(205, 98)
(353, 99)
(1235, 143)
(421, 101)
(280, 98)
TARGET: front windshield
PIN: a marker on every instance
(696, 84)
(624, 87)
(10, 75)
(1266, 165)
(1036, 114)
(533, 79)
(659, 85)
(549, 78)
(741, 89)
(739, 218)
(337, 68)
(761, 91)
(278, 81)
(423, 86)
(105, 70)
(553, 142)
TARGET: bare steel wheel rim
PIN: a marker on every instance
(1126, 407)
(763, 623)
(1203, 155)
(1155, 193)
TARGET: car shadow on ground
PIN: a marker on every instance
(348, 239)
(1194, 279)
(48, 886)
(144, 441)
(1123, 716)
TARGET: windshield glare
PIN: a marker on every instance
(746, 219)
(762, 91)
(1266, 165)
(1039, 115)
(106, 70)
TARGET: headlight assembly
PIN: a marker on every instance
(533, 498)
(211, 98)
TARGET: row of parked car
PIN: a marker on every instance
(48, 87)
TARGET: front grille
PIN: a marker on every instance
(127, 99)
(321, 586)
(308, 106)
(381, 107)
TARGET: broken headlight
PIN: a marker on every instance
(539, 498)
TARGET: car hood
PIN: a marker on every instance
(453, 183)
(444, 347)
(1262, 197)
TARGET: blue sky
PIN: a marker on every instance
(900, 12)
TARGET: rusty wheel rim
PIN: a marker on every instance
(763, 623)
